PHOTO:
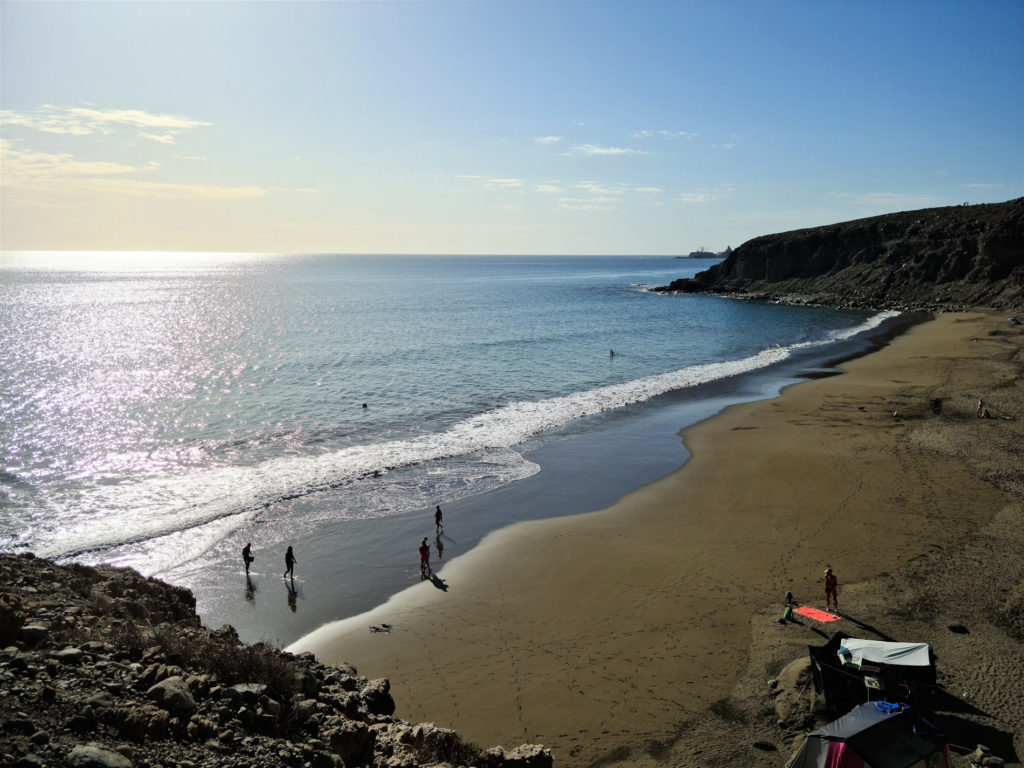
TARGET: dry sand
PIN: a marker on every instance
(646, 633)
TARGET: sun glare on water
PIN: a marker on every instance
(122, 261)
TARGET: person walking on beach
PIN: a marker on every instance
(437, 518)
(424, 558)
(289, 564)
(247, 557)
(831, 590)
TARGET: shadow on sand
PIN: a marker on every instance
(438, 582)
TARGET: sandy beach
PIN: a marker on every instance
(620, 634)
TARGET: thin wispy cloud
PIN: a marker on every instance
(601, 203)
(504, 184)
(984, 185)
(724, 145)
(63, 173)
(697, 197)
(85, 121)
(596, 150)
(649, 190)
(166, 138)
(26, 165)
(548, 189)
(669, 135)
(176, 191)
(548, 139)
(707, 195)
(599, 189)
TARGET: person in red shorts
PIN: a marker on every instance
(424, 558)
(831, 590)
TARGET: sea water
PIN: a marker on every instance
(156, 406)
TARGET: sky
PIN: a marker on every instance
(496, 127)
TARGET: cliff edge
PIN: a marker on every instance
(953, 258)
(103, 668)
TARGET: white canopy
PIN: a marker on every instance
(854, 651)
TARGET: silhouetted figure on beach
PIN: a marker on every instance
(289, 563)
(292, 594)
(247, 557)
(424, 559)
(831, 590)
(437, 518)
(440, 546)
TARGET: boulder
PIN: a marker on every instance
(70, 656)
(523, 756)
(352, 741)
(376, 695)
(96, 756)
(173, 694)
(33, 634)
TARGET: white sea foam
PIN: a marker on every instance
(225, 498)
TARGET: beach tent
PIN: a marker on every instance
(874, 735)
(848, 671)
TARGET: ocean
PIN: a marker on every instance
(161, 410)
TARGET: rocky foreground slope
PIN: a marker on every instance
(951, 258)
(102, 667)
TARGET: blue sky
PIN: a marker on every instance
(496, 127)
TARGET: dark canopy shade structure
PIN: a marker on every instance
(874, 735)
(848, 671)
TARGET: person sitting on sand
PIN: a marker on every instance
(831, 590)
(424, 558)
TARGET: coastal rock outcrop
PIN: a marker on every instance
(103, 667)
(951, 258)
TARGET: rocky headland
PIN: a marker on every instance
(103, 668)
(947, 259)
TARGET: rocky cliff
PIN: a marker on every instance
(102, 668)
(951, 258)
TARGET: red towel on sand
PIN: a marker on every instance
(814, 613)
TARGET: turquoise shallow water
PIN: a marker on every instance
(158, 409)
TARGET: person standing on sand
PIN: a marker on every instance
(437, 518)
(424, 558)
(831, 590)
(289, 564)
(247, 556)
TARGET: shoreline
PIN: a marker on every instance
(356, 565)
(607, 633)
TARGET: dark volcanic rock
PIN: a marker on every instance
(952, 258)
(100, 667)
